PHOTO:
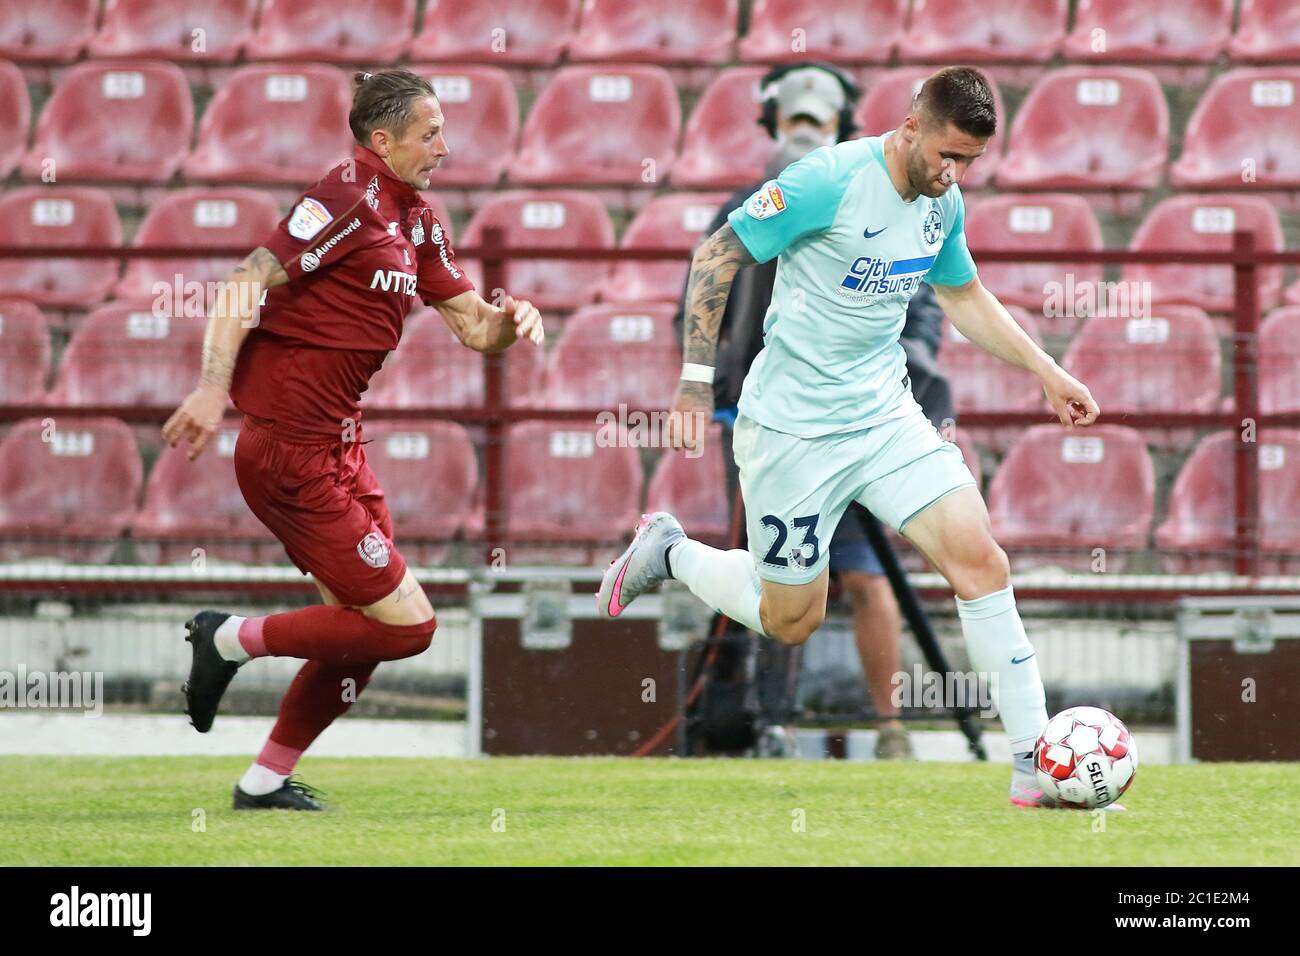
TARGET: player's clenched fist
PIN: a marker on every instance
(196, 420)
(691, 413)
(528, 321)
(1070, 399)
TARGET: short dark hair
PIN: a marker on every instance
(960, 95)
(383, 101)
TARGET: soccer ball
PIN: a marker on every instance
(1085, 758)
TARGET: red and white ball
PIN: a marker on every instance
(1085, 758)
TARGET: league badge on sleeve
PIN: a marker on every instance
(308, 218)
(767, 202)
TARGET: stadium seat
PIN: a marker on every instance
(1181, 31)
(1038, 221)
(888, 100)
(429, 475)
(1199, 533)
(674, 221)
(984, 31)
(1074, 492)
(1269, 32)
(197, 218)
(1205, 223)
(612, 355)
(566, 487)
(190, 505)
(129, 121)
(373, 32)
(1088, 128)
(562, 219)
(505, 32)
(15, 118)
(51, 31)
(839, 31)
(482, 115)
(601, 125)
(1244, 133)
(122, 355)
(24, 353)
(694, 490)
(1279, 361)
(274, 124)
(68, 489)
(981, 382)
(724, 147)
(59, 216)
(167, 30)
(656, 31)
(432, 369)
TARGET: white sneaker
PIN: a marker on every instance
(641, 566)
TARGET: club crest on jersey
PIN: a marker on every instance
(417, 233)
(373, 550)
(372, 194)
(932, 228)
(871, 276)
(308, 218)
(769, 201)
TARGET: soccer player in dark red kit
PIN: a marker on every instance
(340, 274)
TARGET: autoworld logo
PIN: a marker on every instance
(55, 690)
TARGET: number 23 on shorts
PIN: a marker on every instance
(804, 554)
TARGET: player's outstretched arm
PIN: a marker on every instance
(977, 314)
(713, 269)
(483, 327)
(232, 315)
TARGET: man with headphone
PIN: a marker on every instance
(804, 106)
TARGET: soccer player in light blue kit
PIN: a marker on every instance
(827, 415)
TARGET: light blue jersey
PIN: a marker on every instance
(852, 254)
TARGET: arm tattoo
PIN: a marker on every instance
(712, 271)
(238, 303)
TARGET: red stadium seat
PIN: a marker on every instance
(68, 489)
(1179, 31)
(1279, 361)
(562, 220)
(482, 120)
(119, 121)
(15, 118)
(208, 31)
(1199, 533)
(612, 355)
(599, 125)
(24, 353)
(983, 383)
(1244, 133)
(333, 31)
(52, 31)
(1088, 128)
(189, 505)
(839, 31)
(694, 490)
(1269, 32)
(889, 99)
(432, 369)
(121, 355)
(274, 124)
(675, 221)
(984, 31)
(566, 486)
(724, 147)
(507, 32)
(429, 475)
(197, 218)
(1206, 223)
(1037, 222)
(656, 31)
(59, 216)
(1074, 491)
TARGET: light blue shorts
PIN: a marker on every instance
(796, 489)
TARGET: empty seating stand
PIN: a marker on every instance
(51, 31)
(723, 146)
(656, 31)
(24, 353)
(15, 117)
(1268, 32)
(193, 31)
(334, 31)
(839, 31)
(984, 31)
(674, 221)
(505, 32)
(38, 216)
(693, 488)
(1179, 31)
(616, 355)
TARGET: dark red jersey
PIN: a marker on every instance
(358, 248)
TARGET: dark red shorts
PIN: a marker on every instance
(324, 504)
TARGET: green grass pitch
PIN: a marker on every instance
(557, 811)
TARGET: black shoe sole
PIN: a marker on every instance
(210, 673)
(286, 798)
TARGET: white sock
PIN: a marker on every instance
(227, 641)
(258, 781)
(995, 637)
(726, 581)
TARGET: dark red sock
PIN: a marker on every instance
(333, 635)
(319, 693)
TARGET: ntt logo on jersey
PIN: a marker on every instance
(391, 280)
(871, 276)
